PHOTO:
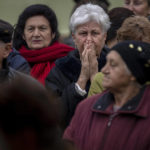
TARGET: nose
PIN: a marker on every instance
(89, 37)
(131, 7)
(36, 32)
(105, 70)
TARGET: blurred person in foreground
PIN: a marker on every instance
(118, 118)
(133, 28)
(72, 75)
(29, 119)
(36, 37)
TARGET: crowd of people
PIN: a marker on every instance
(89, 91)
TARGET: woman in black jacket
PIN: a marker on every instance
(72, 75)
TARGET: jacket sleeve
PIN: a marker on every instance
(17, 62)
(65, 89)
(96, 85)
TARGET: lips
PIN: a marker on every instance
(36, 41)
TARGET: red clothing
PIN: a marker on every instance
(43, 60)
(96, 127)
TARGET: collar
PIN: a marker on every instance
(105, 102)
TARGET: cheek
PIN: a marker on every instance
(99, 45)
(47, 39)
(79, 42)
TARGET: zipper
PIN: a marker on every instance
(111, 117)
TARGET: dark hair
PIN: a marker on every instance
(102, 3)
(30, 106)
(6, 31)
(34, 10)
(117, 16)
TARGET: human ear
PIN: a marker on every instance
(133, 78)
(7, 50)
(23, 37)
(73, 37)
(53, 35)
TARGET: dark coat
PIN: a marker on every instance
(8, 74)
(17, 62)
(63, 77)
(96, 127)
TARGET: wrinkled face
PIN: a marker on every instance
(116, 74)
(139, 7)
(37, 32)
(92, 32)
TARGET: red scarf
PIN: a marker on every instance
(43, 60)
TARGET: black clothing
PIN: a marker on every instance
(63, 77)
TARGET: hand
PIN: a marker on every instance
(85, 67)
(93, 63)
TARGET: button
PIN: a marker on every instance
(99, 107)
(129, 107)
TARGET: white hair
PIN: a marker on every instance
(89, 12)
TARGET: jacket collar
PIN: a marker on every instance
(105, 102)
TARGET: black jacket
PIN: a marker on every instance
(63, 77)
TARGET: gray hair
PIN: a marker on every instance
(89, 12)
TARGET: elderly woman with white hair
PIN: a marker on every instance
(72, 75)
(119, 118)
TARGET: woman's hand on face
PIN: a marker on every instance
(85, 67)
(92, 58)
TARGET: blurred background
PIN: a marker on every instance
(10, 10)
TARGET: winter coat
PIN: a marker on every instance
(63, 77)
(95, 126)
(17, 62)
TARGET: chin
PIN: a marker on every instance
(106, 85)
(37, 47)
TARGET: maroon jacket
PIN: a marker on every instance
(96, 127)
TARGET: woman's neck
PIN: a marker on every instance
(126, 94)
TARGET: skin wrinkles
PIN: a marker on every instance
(89, 39)
(116, 74)
(37, 32)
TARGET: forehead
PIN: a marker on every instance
(89, 25)
(37, 20)
(114, 56)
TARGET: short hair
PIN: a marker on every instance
(6, 31)
(117, 15)
(34, 10)
(135, 28)
(89, 12)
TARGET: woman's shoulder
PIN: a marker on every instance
(89, 102)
